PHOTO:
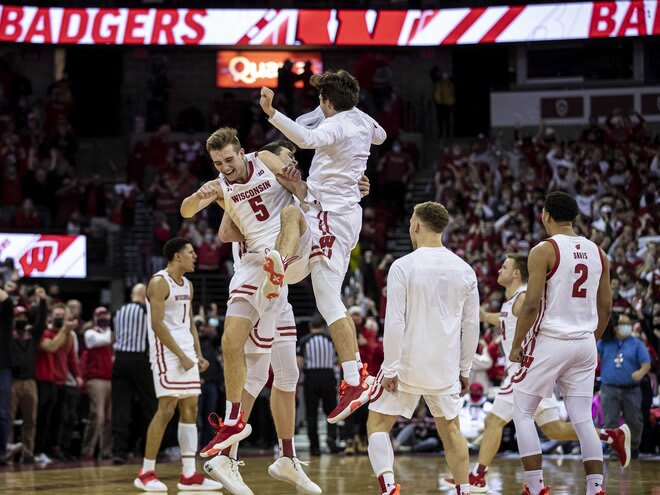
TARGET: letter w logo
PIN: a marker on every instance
(38, 258)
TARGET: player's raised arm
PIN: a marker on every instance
(540, 258)
(288, 176)
(157, 292)
(210, 192)
(395, 320)
(603, 297)
(311, 120)
(324, 135)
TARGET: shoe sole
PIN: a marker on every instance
(226, 483)
(138, 484)
(268, 288)
(626, 444)
(445, 485)
(197, 488)
(219, 447)
(273, 474)
(352, 407)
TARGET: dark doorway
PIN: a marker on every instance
(477, 70)
(95, 73)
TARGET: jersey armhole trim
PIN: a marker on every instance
(557, 258)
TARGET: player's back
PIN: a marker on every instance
(438, 284)
(508, 322)
(568, 309)
(176, 311)
(255, 204)
(336, 168)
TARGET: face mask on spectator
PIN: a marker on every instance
(214, 322)
(625, 330)
(20, 325)
(208, 238)
(58, 322)
(103, 323)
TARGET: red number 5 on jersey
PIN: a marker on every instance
(583, 270)
(259, 209)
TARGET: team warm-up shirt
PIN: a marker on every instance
(255, 204)
(508, 323)
(431, 321)
(568, 308)
(342, 143)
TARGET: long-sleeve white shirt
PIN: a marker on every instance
(98, 337)
(431, 321)
(342, 143)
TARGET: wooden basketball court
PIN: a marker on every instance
(336, 475)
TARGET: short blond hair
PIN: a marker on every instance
(221, 138)
(433, 215)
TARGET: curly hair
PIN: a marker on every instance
(433, 215)
(561, 206)
(221, 138)
(340, 88)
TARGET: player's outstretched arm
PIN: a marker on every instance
(228, 231)
(157, 292)
(540, 259)
(324, 135)
(488, 317)
(603, 297)
(289, 176)
(200, 199)
(395, 320)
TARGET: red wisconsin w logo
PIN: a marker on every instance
(44, 252)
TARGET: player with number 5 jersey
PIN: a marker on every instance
(566, 309)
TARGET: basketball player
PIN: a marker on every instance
(342, 136)
(513, 277)
(566, 309)
(431, 335)
(270, 326)
(176, 361)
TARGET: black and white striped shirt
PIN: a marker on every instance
(317, 351)
(130, 324)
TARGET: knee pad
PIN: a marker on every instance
(257, 373)
(327, 291)
(285, 366)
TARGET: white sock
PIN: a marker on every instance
(386, 481)
(232, 413)
(534, 480)
(359, 360)
(464, 489)
(594, 484)
(233, 451)
(187, 435)
(381, 453)
(351, 374)
(148, 465)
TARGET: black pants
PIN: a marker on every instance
(131, 381)
(320, 385)
(47, 397)
(65, 417)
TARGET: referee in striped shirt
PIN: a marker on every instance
(131, 375)
(316, 357)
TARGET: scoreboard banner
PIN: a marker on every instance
(49, 256)
(329, 27)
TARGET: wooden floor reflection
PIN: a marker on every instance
(336, 475)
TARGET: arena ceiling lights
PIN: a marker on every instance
(330, 27)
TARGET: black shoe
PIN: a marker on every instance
(315, 452)
(332, 445)
(118, 460)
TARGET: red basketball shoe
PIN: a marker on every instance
(274, 280)
(225, 435)
(477, 483)
(545, 491)
(351, 398)
(621, 443)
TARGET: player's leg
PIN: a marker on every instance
(492, 439)
(579, 410)
(456, 451)
(381, 454)
(147, 479)
(529, 445)
(287, 467)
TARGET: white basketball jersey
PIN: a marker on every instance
(508, 322)
(255, 205)
(177, 310)
(568, 309)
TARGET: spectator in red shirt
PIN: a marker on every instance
(58, 334)
(98, 375)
